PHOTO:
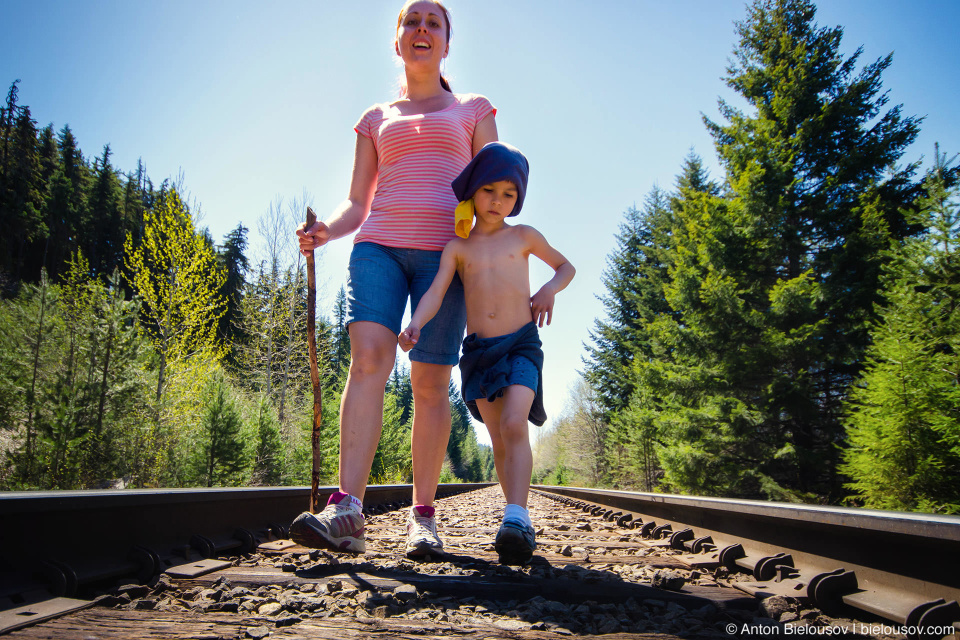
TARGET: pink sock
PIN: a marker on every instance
(424, 511)
(337, 496)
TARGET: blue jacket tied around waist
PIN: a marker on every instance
(493, 366)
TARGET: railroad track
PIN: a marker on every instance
(216, 564)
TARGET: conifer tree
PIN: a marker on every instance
(21, 192)
(341, 337)
(903, 415)
(399, 385)
(268, 459)
(771, 286)
(138, 197)
(66, 206)
(234, 262)
(106, 227)
(392, 462)
(221, 444)
(633, 282)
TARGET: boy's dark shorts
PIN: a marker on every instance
(522, 371)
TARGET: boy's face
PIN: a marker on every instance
(495, 201)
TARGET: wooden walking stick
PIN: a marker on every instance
(314, 371)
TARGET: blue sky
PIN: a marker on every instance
(251, 101)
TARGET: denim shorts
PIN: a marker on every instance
(522, 372)
(379, 281)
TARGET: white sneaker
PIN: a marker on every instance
(422, 538)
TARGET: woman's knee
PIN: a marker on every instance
(430, 383)
(372, 351)
(369, 368)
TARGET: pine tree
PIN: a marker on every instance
(903, 415)
(461, 433)
(66, 206)
(268, 460)
(138, 197)
(772, 284)
(221, 444)
(341, 337)
(633, 295)
(392, 462)
(234, 262)
(400, 386)
(21, 192)
(106, 228)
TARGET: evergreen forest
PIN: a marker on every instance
(136, 351)
(789, 330)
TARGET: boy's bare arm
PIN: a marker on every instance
(430, 302)
(541, 303)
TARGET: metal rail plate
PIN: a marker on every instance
(194, 569)
(26, 615)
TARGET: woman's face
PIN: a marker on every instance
(422, 34)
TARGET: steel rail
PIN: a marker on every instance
(904, 567)
(60, 541)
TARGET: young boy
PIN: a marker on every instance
(502, 360)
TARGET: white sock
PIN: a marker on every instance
(517, 513)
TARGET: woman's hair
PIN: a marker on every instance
(446, 19)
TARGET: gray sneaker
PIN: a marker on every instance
(515, 543)
(422, 538)
(338, 527)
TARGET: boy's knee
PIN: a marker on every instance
(513, 427)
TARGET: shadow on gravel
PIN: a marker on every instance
(461, 589)
(464, 576)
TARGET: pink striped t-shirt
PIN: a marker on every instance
(418, 157)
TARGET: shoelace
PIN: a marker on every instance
(423, 526)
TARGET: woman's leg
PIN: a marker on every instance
(431, 427)
(373, 349)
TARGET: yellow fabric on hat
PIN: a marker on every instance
(463, 218)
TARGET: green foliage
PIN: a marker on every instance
(74, 383)
(447, 475)
(469, 461)
(903, 415)
(392, 460)
(175, 273)
(76, 357)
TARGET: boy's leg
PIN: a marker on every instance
(506, 420)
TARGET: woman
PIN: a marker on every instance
(407, 154)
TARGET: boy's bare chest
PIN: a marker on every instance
(495, 257)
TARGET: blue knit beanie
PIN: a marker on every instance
(494, 162)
